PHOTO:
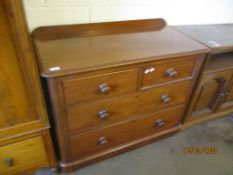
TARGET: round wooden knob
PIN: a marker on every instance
(104, 88)
(9, 162)
(171, 72)
(102, 141)
(159, 123)
(103, 115)
(165, 99)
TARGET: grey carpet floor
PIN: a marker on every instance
(166, 157)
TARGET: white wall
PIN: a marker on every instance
(53, 12)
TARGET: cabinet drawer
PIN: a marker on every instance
(23, 155)
(99, 87)
(170, 70)
(83, 117)
(95, 142)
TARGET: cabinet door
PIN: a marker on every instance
(209, 94)
(21, 105)
(228, 101)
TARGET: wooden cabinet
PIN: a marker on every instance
(115, 88)
(213, 96)
(211, 93)
(227, 94)
(22, 108)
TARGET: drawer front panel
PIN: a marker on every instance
(99, 87)
(23, 154)
(84, 117)
(160, 72)
(88, 144)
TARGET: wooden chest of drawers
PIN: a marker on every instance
(113, 88)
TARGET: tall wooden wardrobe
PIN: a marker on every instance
(25, 142)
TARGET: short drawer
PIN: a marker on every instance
(170, 70)
(101, 86)
(98, 141)
(23, 155)
(84, 117)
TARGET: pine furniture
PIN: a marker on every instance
(25, 142)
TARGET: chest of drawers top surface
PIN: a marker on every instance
(71, 49)
(218, 37)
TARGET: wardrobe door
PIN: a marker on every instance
(21, 104)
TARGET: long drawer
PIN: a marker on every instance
(84, 117)
(22, 155)
(88, 144)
